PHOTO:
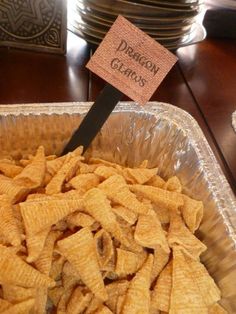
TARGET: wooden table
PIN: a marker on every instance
(202, 83)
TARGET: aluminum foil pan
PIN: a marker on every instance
(165, 135)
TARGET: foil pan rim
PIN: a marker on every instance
(225, 201)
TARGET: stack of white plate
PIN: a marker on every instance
(173, 23)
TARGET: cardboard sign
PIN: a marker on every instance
(131, 61)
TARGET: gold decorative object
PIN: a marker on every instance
(33, 24)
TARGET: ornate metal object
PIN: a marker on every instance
(33, 24)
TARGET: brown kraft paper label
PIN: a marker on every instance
(131, 61)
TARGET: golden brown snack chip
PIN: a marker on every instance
(78, 301)
(103, 310)
(126, 262)
(185, 295)
(80, 251)
(9, 170)
(23, 307)
(173, 184)
(205, 283)
(49, 212)
(179, 234)
(192, 212)
(94, 305)
(125, 213)
(161, 258)
(95, 160)
(32, 175)
(137, 299)
(65, 173)
(170, 200)
(149, 233)
(97, 205)
(16, 294)
(84, 182)
(35, 244)
(80, 220)
(156, 181)
(55, 294)
(117, 190)
(160, 299)
(12, 189)
(20, 273)
(115, 290)
(105, 171)
(217, 309)
(139, 175)
(8, 224)
(4, 304)
(104, 247)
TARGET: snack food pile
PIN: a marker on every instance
(91, 236)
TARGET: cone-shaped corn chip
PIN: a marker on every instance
(70, 277)
(160, 299)
(65, 173)
(149, 233)
(132, 246)
(205, 283)
(84, 182)
(32, 175)
(104, 247)
(139, 175)
(114, 290)
(162, 198)
(20, 308)
(185, 295)
(192, 212)
(162, 213)
(120, 303)
(78, 301)
(25, 162)
(137, 299)
(156, 181)
(14, 271)
(9, 170)
(40, 301)
(217, 309)
(118, 191)
(125, 213)
(80, 251)
(173, 184)
(94, 305)
(44, 262)
(161, 258)
(126, 263)
(103, 310)
(179, 234)
(15, 191)
(85, 168)
(35, 244)
(16, 294)
(97, 205)
(80, 220)
(39, 215)
(94, 160)
(105, 172)
(56, 268)
(54, 165)
(61, 306)
(55, 294)
(8, 224)
(4, 304)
